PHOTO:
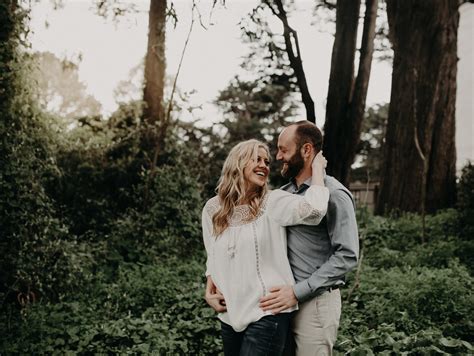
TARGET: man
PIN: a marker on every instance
(320, 255)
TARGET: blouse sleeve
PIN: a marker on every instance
(207, 237)
(292, 209)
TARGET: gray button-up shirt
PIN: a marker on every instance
(321, 255)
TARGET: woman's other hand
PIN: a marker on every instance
(318, 165)
(214, 297)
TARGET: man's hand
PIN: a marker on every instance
(214, 297)
(279, 299)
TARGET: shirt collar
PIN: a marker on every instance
(305, 185)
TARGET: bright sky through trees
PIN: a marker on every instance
(110, 50)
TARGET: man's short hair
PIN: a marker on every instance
(307, 132)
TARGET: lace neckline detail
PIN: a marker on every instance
(241, 214)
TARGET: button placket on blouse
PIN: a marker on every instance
(257, 256)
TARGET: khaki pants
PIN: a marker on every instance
(315, 324)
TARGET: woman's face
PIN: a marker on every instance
(256, 172)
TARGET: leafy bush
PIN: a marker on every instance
(149, 309)
(166, 221)
(99, 165)
(414, 299)
(466, 211)
(466, 190)
(414, 310)
(385, 339)
(390, 242)
(37, 250)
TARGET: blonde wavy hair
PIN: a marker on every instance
(232, 187)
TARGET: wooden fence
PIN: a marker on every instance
(365, 194)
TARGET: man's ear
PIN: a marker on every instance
(307, 151)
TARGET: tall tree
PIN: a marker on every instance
(347, 95)
(294, 55)
(154, 73)
(419, 165)
(155, 63)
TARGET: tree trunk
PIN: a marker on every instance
(357, 107)
(155, 63)
(424, 38)
(337, 135)
(296, 63)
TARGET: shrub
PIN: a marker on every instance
(389, 242)
(168, 221)
(36, 259)
(413, 299)
(385, 339)
(98, 173)
(148, 309)
(466, 211)
(466, 190)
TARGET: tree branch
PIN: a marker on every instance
(423, 158)
(164, 125)
(295, 59)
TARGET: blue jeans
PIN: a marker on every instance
(266, 336)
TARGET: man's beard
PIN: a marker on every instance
(293, 166)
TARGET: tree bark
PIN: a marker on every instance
(296, 63)
(337, 135)
(357, 106)
(155, 63)
(424, 39)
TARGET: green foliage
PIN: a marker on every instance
(102, 254)
(466, 203)
(396, 242)
(465, 246)
(99, 162)
(466, 188)
(411, 298)
(155, 309)
(385, 339)
(37, 253)
(166, 219)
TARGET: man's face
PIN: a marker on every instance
(289, 154)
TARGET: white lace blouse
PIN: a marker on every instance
(249, 257)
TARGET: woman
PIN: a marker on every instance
(245, 240)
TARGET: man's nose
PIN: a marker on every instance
(278, 156)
